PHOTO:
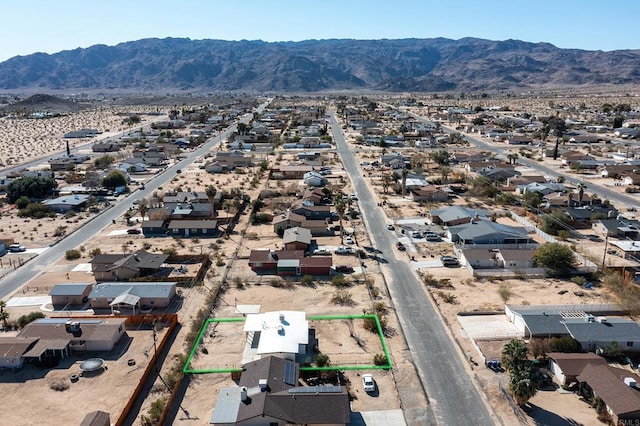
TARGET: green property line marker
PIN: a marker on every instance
(387, 366)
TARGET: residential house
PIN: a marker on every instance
(320, 265)
(518, 140)
(311, 212)
(525, 180)
(153, 227)
(477, 166)
(616, 171)
(498, 174)
(12, 350)
(106, 147)
(314, 195)
(487, 232)
(632, 178)
(560, 199)
(69, 294)
(544, 188)
(266, 260)
(308, 155)
(394, 160)
(290, 171)
(115, 267)
(566, 367)
(570, 157)
(63, 164)
(66, 203)
(283, 334)
(428, 194)
(267, 395)
(290, 220)
(193, 228)
(314, 178)
(56, 338)
(192, 197)
(132, 295)
(456, 215)
(296, 238)
(619, 227)
(615, 387)
(227, 161)
(133, 165)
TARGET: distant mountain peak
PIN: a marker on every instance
(414, 65)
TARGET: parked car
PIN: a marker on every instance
(390, 227)
(348, 240)
(321, 252)
(133, 231)
(344, 268)
(368, 383)
(449, 261)
(416, 234)
(400, 246)
(17, 248)
(344, 250)
(432, 237)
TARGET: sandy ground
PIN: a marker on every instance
(25, 139)
(90, 393)
(334, 338)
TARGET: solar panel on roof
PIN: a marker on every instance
(316, 389)
(289, 373)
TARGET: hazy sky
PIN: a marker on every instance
(29, 26)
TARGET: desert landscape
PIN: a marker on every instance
(229, 281)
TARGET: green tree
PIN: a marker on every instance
(211, 195)
(617, 121)
(387, 181)
(405, 172)
(103, 162)
(554, 222)
(522, 384)
(440, 157)
(31, 187)
(22, 202)
(113, 179)
(340, 205)
(514, 353)
(558, 258)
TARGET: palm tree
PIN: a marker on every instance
(514, 353)
(211, 194)
(444, 173)
(581, 187)
(569, 198)
(143, 208)
(522, 385)
(338, 201)
(405, 172)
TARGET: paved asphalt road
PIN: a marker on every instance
(618, 199)
(453, 398)
(16, 279)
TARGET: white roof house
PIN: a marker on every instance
(285, 333)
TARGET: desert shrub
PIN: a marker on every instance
(96, 251)
(36, 211)
(447, 297)
(322, 360)
(340, 281)
(146, 245)
(380, 308)
(30, 317)
(342, 297)
(276, 282)
(72, 254)
(22, 202)
(171, 251)
(380, 359)
(369, 324)
(307, 280)
(237, 281)
(578, 280)
(59, 385)
(152, 418)
(504, 292)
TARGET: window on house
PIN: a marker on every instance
(629, 344)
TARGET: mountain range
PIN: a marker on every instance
(405, 65)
